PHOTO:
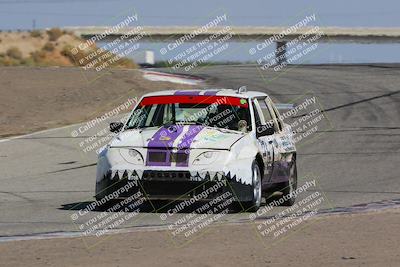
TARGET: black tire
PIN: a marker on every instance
(255, 203)
(291, 184)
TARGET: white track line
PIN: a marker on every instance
(75, 234)
(56, 129)
(173, 78)
(39, 132)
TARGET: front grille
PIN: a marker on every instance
(166, 175)
(157, 156)
(165, 158)
(163, 188)
(163, 185)
(179, 157)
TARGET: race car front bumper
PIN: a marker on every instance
(172, 185)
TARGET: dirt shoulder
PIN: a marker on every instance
(56, 47)
(37, 98)
(369, 239)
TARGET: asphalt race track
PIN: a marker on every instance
(356, 161)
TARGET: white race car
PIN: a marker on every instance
(176, 141)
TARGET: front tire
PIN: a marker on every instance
(291, 185)
(255, 203)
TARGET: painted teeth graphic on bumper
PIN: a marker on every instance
(175, 175)
(129, 174)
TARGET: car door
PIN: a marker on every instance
(285, 135)
(283, 145)
(263, 118)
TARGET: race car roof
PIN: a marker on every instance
(209, 92)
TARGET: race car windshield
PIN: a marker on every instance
(221, 112)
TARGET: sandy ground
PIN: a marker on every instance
(337, 240)
(40, 98)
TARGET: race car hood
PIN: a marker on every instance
(179, 137)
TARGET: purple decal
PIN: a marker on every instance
(211, 92)
(184, 92)
(186, 142)
(159, 147)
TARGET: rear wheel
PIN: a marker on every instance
(291, 185)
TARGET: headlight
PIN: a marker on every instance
(132, 156)
(205, 158)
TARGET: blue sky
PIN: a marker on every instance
(19, 14)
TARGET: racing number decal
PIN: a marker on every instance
(267, 149)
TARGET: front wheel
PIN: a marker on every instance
(291, 185)
(255, 203)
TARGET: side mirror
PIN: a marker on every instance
(264, 130)
(116, 127)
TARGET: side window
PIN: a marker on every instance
(156, 115)
(269, 120)
(168, 114)
(139, 117)
(150, 116)
(257, 117)
(273, 114)
(278, 117)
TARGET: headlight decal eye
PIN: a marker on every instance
(205, 158)
(208, 154)
(132, 156)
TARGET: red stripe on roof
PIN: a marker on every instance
(198, 99)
